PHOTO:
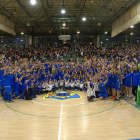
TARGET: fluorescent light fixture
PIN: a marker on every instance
(90, 43)
(131, 33)
(78, 32)
(132, 26)
(22, 33)
(63, 11)
(84, 19)
(21, 40)
(105, 32)
(33, 2)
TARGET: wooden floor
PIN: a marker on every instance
(75, 119)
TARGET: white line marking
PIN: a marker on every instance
(58, 105)
(113, 108)
(77, 117)
(9, 110)
(60, 122)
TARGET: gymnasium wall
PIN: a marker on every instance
(6, 25)
(130, 18)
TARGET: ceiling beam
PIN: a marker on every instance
(20, 4)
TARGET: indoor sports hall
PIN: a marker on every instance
(69, 70)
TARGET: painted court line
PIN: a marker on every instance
(78, 117)
(133, 105)
(57, 105)
(60, 122)
(113, 108)
(9, 110)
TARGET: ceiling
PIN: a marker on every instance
(41, 16)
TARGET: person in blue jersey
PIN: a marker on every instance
(109, 83)
(1, 82)
(128, 83)
(113, 83)
(124, 74)
(103, 92)
(17, 87)
(117, 83)
(7, 83)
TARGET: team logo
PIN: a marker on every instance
(62, 95)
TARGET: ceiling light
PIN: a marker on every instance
(84, 19)
(64, 24)
(63, 11)
(105, 32)
(99, 24)
(132, 26)
(33, 2)
(22, 33)
(106, 39)
(91, 1)
(1, 40)
(78, 32)
(21, 40)
(131, 33)
(101, 42)
(94, 18)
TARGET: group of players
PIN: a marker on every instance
(99, 77)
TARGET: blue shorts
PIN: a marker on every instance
(1, 83)
(8, 89)
(128, 84)
(104, 94)
(113, 85)
(118, 86)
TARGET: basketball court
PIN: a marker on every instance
(70, 119)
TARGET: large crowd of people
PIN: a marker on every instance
(106, 71)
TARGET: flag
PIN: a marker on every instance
(17, 40)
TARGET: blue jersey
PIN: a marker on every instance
(128, 78)
(136, 76)
(113, 78)
(117, 78)
(17, 87)
(102, 88)
(7, 80)
(24, 86)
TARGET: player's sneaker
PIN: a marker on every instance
(116, 99)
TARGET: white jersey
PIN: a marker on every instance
(88, 89)
(81, 85)
(96, 87)
(56, 84)
(72, 84)
(93, 92)
(66, 84)
(50, 87)
(77, 84)
(61, 83)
